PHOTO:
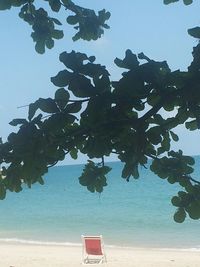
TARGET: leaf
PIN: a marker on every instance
(174, 136)
(127, 171)
(159, 119)
(171, 179)
(187, 2)
(94, 70)
(73, 60)
(106, 26)
(31, 111)
(195, 32)
(180, 215)
(49, 43)
(73, 108)
(60, 154)
(96, 147)
(40, 47)
(47, 105)
(91, 188)
(92, 59)
(62, 98)
(176, 201)
(72, 20)
(81, 86)
(191, 125)
(194, 210)
(55, 5)
(58, 121)
(57, 34)
(143, 56)
(93, 177)
(135, 172)
(189, 160)
(5, 4)
(129, 62)
(2, 191)
(66, 2)
(40, 180)
(76, 37)
(160, 150)
(103, 15)
(74, 153)
(62, 78)
(166, 2)
(153, 99)
(154, 135)
(166, 142)
(16, 122)
(56, 21)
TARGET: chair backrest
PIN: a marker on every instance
(93, 245)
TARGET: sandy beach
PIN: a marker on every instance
(63, 256)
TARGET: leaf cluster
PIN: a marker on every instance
(88, 24)
(94, 177)
(95, 116)
(91, 114)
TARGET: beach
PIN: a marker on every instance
(17, 255)
(42, 226)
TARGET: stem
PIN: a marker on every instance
(192, 179)
(79, 101)
(103, 163)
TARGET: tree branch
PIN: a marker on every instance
(192, 179)
(152, 111)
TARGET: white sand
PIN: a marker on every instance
(65, 256)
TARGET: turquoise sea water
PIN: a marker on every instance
(138, 213)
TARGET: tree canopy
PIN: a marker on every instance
(92, 114)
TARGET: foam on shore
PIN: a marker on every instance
(17, 241)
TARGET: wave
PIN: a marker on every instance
(37, 242)
(195, 249)
(70, 244)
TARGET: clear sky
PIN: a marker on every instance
(140, 25)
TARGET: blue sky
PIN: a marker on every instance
(143, 26)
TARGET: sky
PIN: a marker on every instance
(143, 26)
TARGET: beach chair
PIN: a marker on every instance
(93, 250)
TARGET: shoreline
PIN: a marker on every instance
(24, 242)
(60, 256)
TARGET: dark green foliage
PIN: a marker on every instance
(180, 215)
(54, 4)
(61, 98)
(93, 115)
(88, 25)
(195, 32)
(107, 118)
(129, 62)
(93, 177)
(110, 121)
(174, 136)
(166, 2)
(46, 105)
(186, 2)
(76, 79)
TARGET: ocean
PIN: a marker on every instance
(130, 214)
